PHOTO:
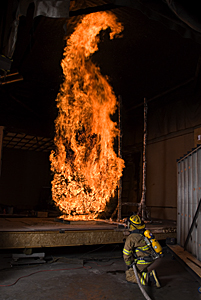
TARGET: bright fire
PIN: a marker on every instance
(86, 168)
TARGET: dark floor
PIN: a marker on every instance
(89, 272)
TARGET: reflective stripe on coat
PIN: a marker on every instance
(130, 253)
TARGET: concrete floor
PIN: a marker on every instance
(91, 273)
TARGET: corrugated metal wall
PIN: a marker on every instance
(188, 197)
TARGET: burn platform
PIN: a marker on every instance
(29, 232)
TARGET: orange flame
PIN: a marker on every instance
(85, 166)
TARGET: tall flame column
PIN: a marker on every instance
(86, 169)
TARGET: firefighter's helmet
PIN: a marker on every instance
(135, 222)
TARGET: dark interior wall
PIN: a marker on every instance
(23, 177)
(162, 157)
(171, 125)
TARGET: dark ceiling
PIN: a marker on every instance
(149, 60)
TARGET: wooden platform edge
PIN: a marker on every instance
(34, 239)
(191, 262)
(62, 238)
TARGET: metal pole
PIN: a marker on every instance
(119, 155)
(193, 224)
(142, 205)
(1, 145)
(12, 80)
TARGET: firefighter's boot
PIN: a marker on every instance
(154, 279)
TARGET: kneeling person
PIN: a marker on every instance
(137, 251)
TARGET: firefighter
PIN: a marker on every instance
(136, 251)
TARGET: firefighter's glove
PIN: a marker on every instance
(130, 266)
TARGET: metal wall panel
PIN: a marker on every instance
(188, 197)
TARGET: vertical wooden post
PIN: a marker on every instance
(1, 145)
(119, 155)
(142, 205)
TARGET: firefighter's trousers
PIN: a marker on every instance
(142, 274)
